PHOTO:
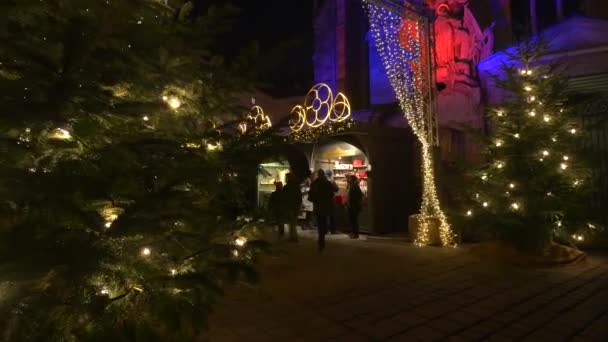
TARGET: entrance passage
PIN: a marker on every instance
(340, 159)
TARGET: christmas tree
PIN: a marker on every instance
(118, 194)
(532, 189)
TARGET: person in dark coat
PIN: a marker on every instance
(321, 195)
(292, 203)
(275, 203)
(354, 204)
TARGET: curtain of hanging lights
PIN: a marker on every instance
(399, 41)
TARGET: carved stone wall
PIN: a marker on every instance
(459, 46)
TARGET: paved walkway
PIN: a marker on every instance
(387, 290)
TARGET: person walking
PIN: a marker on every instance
(354, 204)
(292, 203)
(275, 203)
(321, 195)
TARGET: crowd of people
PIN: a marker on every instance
(285, 204)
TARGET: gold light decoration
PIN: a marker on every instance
(320, 106)
(257, 119)
(406, 65)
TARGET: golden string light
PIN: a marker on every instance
(404, 63)
(320, 106)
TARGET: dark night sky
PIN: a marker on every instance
(283, 28)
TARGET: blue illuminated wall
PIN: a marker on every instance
(325, 54)
(381, 91)
(326, 58)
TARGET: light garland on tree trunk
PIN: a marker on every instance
(399, 42)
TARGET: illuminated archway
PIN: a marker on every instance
(400, 34)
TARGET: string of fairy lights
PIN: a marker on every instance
(405, 70)
(110, 214)
(550, 155)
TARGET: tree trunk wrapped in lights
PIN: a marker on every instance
(122, 195)
(401, 44)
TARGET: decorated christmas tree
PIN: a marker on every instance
(119, 195)
(533, 188)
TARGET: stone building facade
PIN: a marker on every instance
(466, 32)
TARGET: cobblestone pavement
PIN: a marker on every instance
(388, 290)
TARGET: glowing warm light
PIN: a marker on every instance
(576, 182)
(240, 241)
(578, 237)
(532, 113)
(500, 165)
(214, 147)
(173, 271)
(146, 251)
(554, 139)
(498, 143)
(165, 98)
(500, 113)
(566, 158)
(528, 88)
(174, 103)
(512, 186)
(532, 98)
(145, 118)
(545, 153)
(515, 206)
(470, 213)
(516, 135)
(235, 253)
(485, 204)
(61, 134)
(563, 166)
(320, 106)
(484, 177)
(547, 118)
(104, 291)
(108, 224)
(573, 131)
